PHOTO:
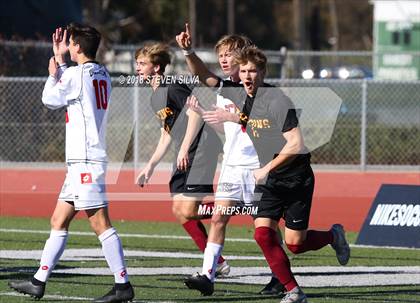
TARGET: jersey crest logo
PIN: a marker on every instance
(86, 178)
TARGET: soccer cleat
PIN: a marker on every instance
(273, 288)
(200, 283)
(340, 245)
(28, 288)
(296, 295)
(117, 295)
(222, 269)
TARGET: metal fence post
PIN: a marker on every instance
(136, 126)
(363, 127)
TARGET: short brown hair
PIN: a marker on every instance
(252, 54)
(233, 42)
(158, 53)
(86, 36)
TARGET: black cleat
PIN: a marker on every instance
(28, 288)
(273, 288)
(200, 283)
(117, 295)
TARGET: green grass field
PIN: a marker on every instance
(139, 236)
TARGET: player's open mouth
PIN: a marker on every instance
(248, 85)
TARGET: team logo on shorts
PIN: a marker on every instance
(86, 178)
(45, 267)
(225, 187)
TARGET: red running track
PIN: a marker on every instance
(343, 197)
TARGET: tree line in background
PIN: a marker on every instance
(271, 24)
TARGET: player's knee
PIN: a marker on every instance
(58, 223)
(295, 249)
(218, 221)
(98, 226)
(176, 210)
(188, 213)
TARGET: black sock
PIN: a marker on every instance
(37, 282)
(122, 286)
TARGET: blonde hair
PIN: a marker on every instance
(251, 54)
(158, 54)
(232, 42)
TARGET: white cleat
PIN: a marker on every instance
(222, 269)
(296, 295)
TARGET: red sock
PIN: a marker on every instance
(314, 240)
(275, 255)
(208, 209)
(198, 233)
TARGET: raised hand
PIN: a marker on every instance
(217, 115)
(192, 103)
(59, 40)
(184, 38)
(52, 67)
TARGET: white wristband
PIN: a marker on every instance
(187, 52)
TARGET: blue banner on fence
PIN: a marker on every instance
(394, 218)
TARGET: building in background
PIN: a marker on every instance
(396, 34)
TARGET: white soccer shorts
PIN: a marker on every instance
(236, 184)
(85, 185)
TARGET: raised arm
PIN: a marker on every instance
(55, 89)
(196, 66)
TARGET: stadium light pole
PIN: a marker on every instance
(231, 16)
(299, 30)
(193, 21)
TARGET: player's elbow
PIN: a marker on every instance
(294, 143)
(49, 102)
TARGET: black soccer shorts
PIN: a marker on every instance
(289, 198)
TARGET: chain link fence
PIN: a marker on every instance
(29, 58)
(378, 123)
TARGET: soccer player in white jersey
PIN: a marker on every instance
(85, 91)
(236, 182)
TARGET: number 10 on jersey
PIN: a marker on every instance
(101, 94)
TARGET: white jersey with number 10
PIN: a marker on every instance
(85, 90)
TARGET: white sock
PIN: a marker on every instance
(211, 256)
(113, 252)
(52, 252)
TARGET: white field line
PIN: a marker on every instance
(84, 233)
(312, 276)
(68, 298)
(153, 236)
(94, 254)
